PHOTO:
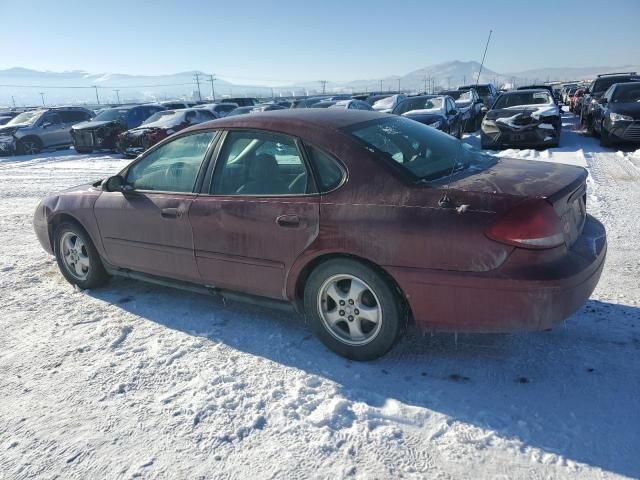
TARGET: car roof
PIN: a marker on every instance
(527, 90)
(294, 120)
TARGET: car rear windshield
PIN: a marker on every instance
(482, 89)
(419, 103)
(422, 152)
(629, 93)
(522, 98)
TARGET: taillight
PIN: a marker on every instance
(530, 224)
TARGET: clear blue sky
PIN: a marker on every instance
(245, 40)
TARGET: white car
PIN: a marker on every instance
(386, 105)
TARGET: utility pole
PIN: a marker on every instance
(196, 77)
(117, 95)
(213, 91)
(425, 83)
(14, 101)
(97, 98)
(41, 95)
(380, 86)
(398, 85)
(464, 80)
(324, 85)
(483, 56)
(448, 83)
(272, 95)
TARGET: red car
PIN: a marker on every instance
(363, 221)
(158, 127)
(575, 104)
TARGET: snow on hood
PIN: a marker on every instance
(166, 121)
(425, 111)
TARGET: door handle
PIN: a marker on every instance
(171, 213)
(288, 221)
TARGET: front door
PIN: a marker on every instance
(259, 215)
(146, 227)
(53, 131)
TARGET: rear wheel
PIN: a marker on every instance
(29, 146)
(353, 309)
(77, 258)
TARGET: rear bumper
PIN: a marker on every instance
(507, 299)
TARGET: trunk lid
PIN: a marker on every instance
(563, 186)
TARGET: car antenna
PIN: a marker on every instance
(445, 201)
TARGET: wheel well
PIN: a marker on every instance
(59, 219)
(312, 265)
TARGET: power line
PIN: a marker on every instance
(98, 86)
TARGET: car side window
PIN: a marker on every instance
(328, 170)
(260, 163)
(51, 119)
(173, 167)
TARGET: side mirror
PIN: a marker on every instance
(114, 184)
(46, 124)
(453, 112)
(479, 100)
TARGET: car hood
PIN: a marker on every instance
(631, 109)
(94, 124)
(8, 128)
(527, 178)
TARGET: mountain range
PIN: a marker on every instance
(22, 86)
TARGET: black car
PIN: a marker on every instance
(437, 111)
(470, 105)
(487, 92)
(595, 91)
(617, 116)
(101, 133)
(242, 101)
(522, 118)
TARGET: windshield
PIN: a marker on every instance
(603, 84)
(419, 103)
(111, 114)
(482, 89)
(26, 117)
(522, 98)
(164, 118)
(423, 152)
(627, 93)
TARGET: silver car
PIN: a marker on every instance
(34, 130)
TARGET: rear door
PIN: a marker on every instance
(146, 228)
(258, 214)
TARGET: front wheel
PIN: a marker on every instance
(605, 140)
(353, 309)
(77, 258)
(29, 146)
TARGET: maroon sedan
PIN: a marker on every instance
(361, 220)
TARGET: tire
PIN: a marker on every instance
(80, 264)
(335, 297)
(459, 132)
(605, 140)
(29, 146)
(83, 150)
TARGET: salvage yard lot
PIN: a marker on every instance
(135, 379)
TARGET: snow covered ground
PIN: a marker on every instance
(138, 380)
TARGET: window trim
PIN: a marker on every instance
(201, 171)
(344, 170)
(213, 166)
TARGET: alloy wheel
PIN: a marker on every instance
(349, 309)
(75, 255)
(30, 147)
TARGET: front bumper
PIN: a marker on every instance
(41, 227)
(7, 144)
(96, 139)
(540, 135)
(507, 299)
(624, 131)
